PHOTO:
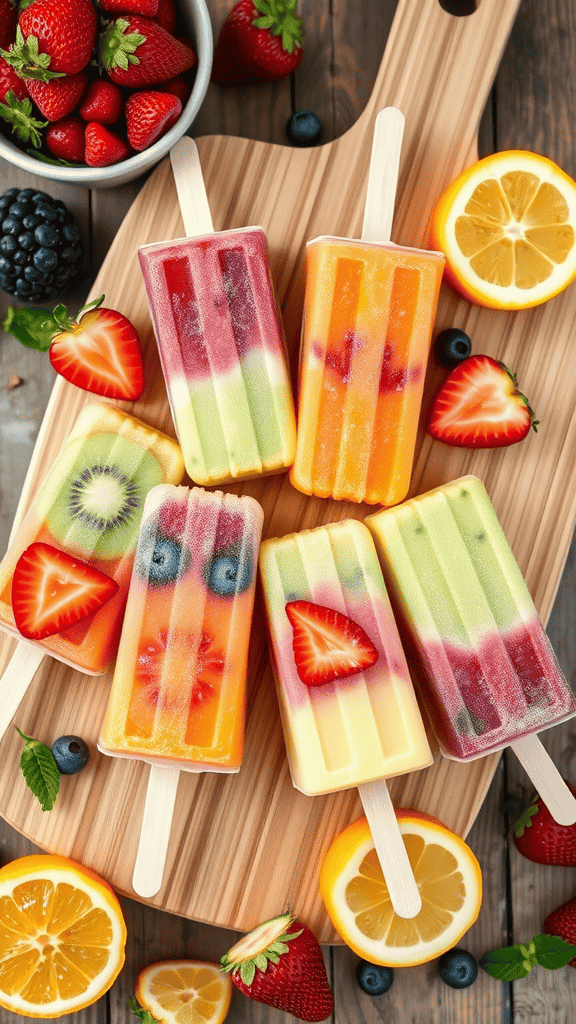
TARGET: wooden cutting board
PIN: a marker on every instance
(244, 848)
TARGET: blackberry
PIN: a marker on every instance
(41, 248)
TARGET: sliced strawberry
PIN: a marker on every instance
(149, 115)
(327, 645)
(479, 406)
(52, 591)
(60, 97)
(103, 147)
(101, 353)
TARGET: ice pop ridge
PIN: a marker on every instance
(353, 730)
(178, 694)
(90, 505)
(490, 673)
(368, 320)
(222, 352)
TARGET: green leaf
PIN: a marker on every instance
(279, 18)
(34, 328)
(18, 113)
(40, 771)
(279, 947)
(553, 952)
(27, 61)
(525, 821)
(49, 159)
(138, 1011)
(261, 962)
(118, 48)
(505, 972)
(247, 972)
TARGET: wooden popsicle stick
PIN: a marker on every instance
(155, 832)
(383, 175)
(16, 679)
(396, 868)
(190, 188)
(542, 771)
(377, 227)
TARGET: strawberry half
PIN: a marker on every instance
(541, 839)
(52, 591)
(280, 964)
(327, 645)
(479, 406)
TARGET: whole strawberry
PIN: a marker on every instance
(54, 38)
(103, 103)
(541, 839)
(259, 42)
(149, 8)
(149, 115)
(8, 16)
(136, 52)
(562, 922)
(166, 15)
(103, 147)
(11, 82)
(58, 98)
(65, 140)
(280, 963)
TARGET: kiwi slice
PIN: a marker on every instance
(93, 499)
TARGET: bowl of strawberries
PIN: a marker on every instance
(95, 92)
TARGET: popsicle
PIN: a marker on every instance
(348, 709)
(490, 676)
(368, 320)
(220, 340)
(89, 506)
(178, 695)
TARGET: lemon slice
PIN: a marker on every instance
(507, 228)
(185, 992)
(62, 936)
(357, 900)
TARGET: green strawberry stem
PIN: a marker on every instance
(36, 328)
(27, 61)
(264, 953)
(280, 18)
(18, 114)
(118, 47)
(525, 821)
(534, 423)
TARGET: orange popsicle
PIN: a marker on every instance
(368, 320)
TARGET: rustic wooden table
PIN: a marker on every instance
(533, 106)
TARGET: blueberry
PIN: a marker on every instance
(304, 128)
(452, 346)
(458, 968)
(45, 234)
(227, 575)
(71, 754)
(373, 979)
(45, 259)
(160, 560)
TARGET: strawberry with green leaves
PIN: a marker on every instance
(541, 839)
(53, 38)
(136, 52)
(58, 98)
(280, 963)
(260, 41)
(562, 922)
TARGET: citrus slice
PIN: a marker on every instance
(507, 229)
(62, 936)
(357, 900)
(185, 992)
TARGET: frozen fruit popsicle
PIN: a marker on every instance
(89, 506)
(220, 342)
(178, 696)
(490, 675)
(347, 703)
(368, 320)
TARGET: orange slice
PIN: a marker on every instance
(357, 900)
(62, 936)
(185, 992)
(507, 228)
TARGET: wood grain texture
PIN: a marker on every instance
(279, 836)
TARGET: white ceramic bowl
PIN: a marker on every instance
(197, 19)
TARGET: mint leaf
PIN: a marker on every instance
(525, 821)
(138, 1011)
(507, 963)
(34, 328)
(40, 771)
(553, 952)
